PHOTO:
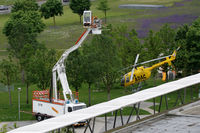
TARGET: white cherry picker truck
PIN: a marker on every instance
(46, 104)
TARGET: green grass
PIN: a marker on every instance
(68, 28)
(6, 2)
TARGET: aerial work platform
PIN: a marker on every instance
(110, 106)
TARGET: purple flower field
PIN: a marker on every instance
(174, 20)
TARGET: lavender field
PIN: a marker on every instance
(180, 13)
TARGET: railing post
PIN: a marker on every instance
(154, 106)
(160, 104)
(115, 118)
(105, 122)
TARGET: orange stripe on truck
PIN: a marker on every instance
(54, 110)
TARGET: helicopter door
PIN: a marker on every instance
(87, 19)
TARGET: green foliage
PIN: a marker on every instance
(168, 43)
(41, 66)
(128, 43)
(4, 128)
(107, 52)
(25, 5)
(167, 36)
(8, 70)
(73, 69)
(103, 6)
(188, 38)
(91, 66)
(22, 28)
(79, 6)
(182, 53)
(51, 8)
(152, 45)
(193, 46)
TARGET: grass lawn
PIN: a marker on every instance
(68, 28)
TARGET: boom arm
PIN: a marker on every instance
(59, 67)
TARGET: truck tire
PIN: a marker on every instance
(39, 117)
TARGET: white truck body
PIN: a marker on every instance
(55, 108)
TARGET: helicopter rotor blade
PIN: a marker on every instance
(136, 60)
(144, 62)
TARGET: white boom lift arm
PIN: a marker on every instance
(58, 70)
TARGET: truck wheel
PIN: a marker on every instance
(39, 117)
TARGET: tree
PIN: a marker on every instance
(109, 59)
(193, 46)
(79, 6)
(91, 67)
(27, 52)
(51, 8)
(41, 67)
(25, 5)
(153, 45)
(103, 6)
(181, 57)
(73, 69)
(128, 43)
(22, 29)
(8, 70)
(167, 36)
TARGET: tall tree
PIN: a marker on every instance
(22, 29)
(51, 8)
(111, 63)
(193, 46)
(168, 36)
(91, 67)
(182, 55)
(27, 52)
(41, 67)
(188, 38)
(8, 70)
(103, 6)
(128, 43)
(79, 6)
(73, 69)
(25, 5)
(153, 45)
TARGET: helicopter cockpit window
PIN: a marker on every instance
(127, 79)
(122, 81)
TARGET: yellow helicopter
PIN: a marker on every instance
(139, 74)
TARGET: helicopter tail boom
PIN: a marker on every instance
(168, 60)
